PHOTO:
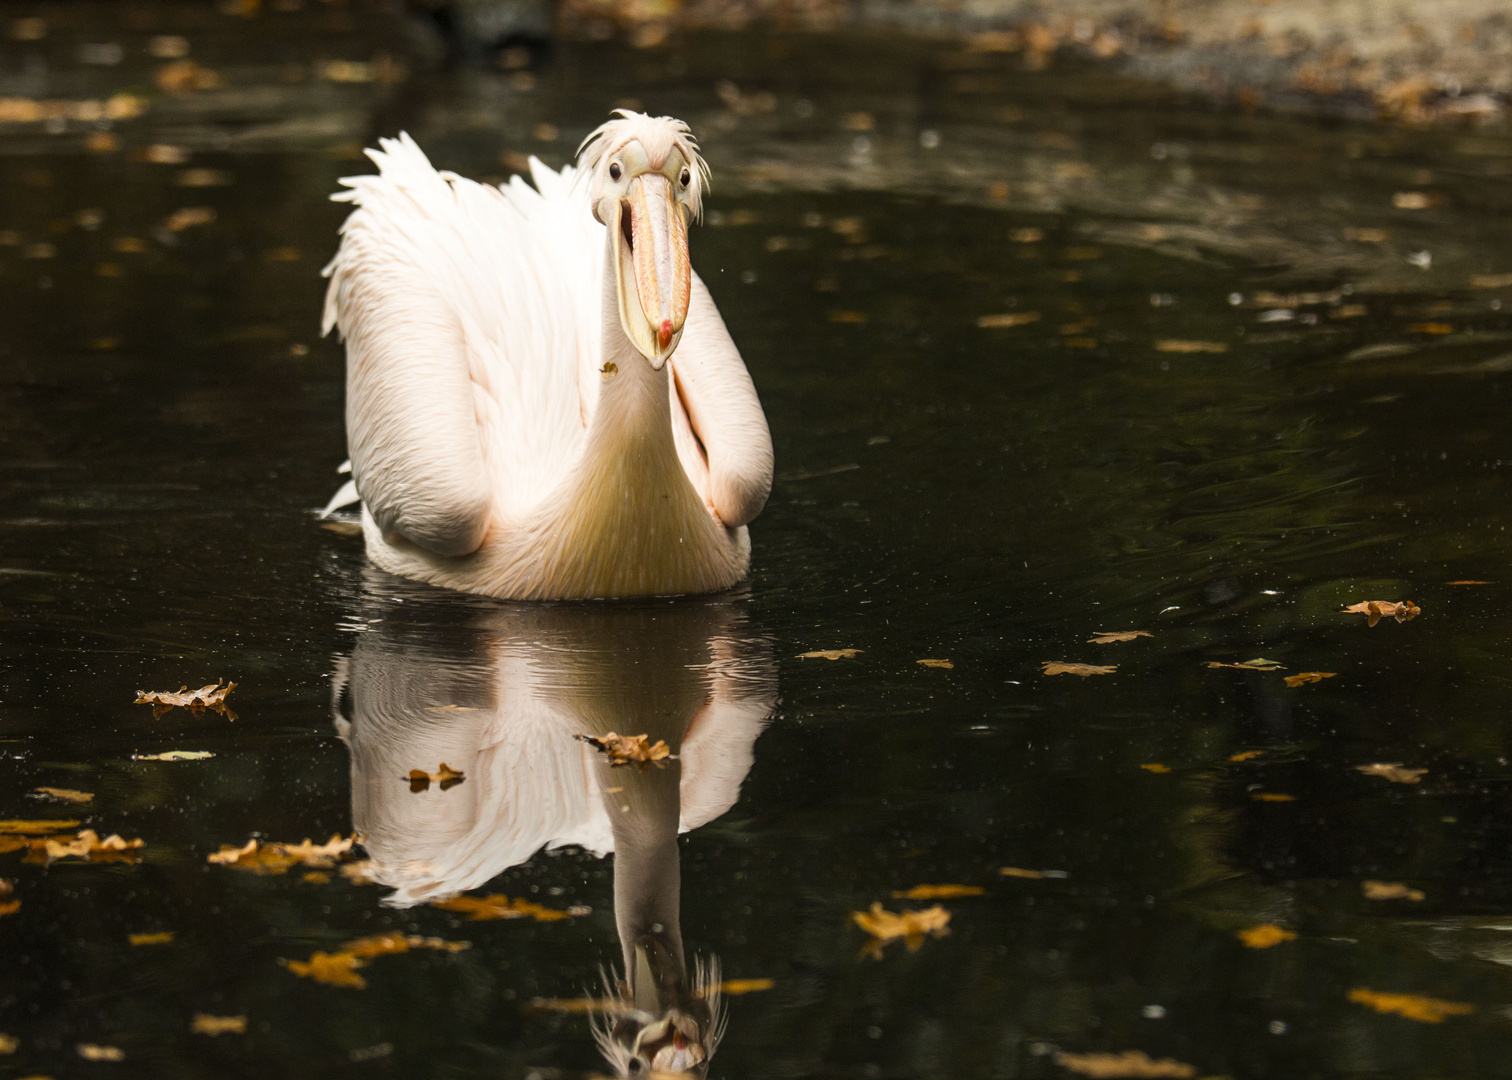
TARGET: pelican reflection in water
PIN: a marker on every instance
(500, 692)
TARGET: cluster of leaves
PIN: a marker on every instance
(629, 749)
(339, 968)
(498, 906)
(445, 777)
(41, 844)
(908, 926)
(273, 857)
(1377, 610)
(211, 697)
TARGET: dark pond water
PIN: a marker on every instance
(1249, 384)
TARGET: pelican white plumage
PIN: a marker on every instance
(517, 422)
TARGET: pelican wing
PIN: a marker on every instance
(732, 465)
(468, 332)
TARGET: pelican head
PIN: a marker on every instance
(646, 179)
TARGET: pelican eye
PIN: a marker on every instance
(684, 178)
(614, 170)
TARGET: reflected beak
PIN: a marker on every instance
(653, 274)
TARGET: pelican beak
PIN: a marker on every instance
(652, 270)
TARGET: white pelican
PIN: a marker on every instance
(517, 422)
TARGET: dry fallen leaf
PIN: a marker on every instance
(45, 825)
(1425, 1010)
(1259, 663)
(445, 777)
(736, 987)
(1060, 667)
(205, 1024)
(938, 892)
(95, 1052)
(1389, 890)
(1245, 755)
(1110, 637)
(911, 926)
(1307, 677)
(1272, 796)
(1384, 609)
(63, 794)
(482, 908)
(1156, 767)
(1265, 936)
(1191, 346)
(85, 845)
(211, 697)
(830, 654)
(936, 663)
(339, 968)
(1393, 771)
(1130, 1063)
(1003, 322)
(161, 937)
(276, 858)
(1019, 872)
(174, 755)
(629, 749)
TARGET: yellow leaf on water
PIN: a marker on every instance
(497, 906)
(273, 857)
(445, 777)
(1272, 796)
(1389, 890)
(44, 825)
(629, 749)
(1431, 328)
(1307, 677)
(938, 892)
(161, 937)
(1377, 610)
(1130, 1063)
(211, 697)
(87, 844)
(1111, 637)
(1008, 319)
(9, 907)
(1060, 667)
(576, 1006)
(1245, 755)
(333, 969)
(1259, 663)
(1172, 346)
(1265, 936)
(936, 663)
(1156, 767)
(830, 654)
(205, 1024)
(736, 987)
(339, 968)
(9, 1044)
(96, 1052)
(63, 794)
(1425, 1010)
(909, 926)
(1020, 872)
(1469, 583)
(1393, 771)
(174, 755)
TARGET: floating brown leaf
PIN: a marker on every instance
(339, 968)
(445, 777)
(1020, 872)
(1272, 796)
(273, 857)
(936, 663)
(1010, 319)
(174, 755)
(909, 926)
(211, 697)
(830, 654)
(497, 906)
(45, 825)
(1110, 637)
(938, 892)
(85, 845)
(160, 937)
(736, 987)
(1191, 346)
(9, 907)
(1307, 677)
(96, 1052)
(1245, 755)
(1425, 1010)
(63, 794)
(1393, 771)
(1259, 663)
(629, 749)
(205, 1024)
(1130, 1063)
(1377, 610)
(1389, 890)
(1265, 936)
(1060, 667)
(1156, 767)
